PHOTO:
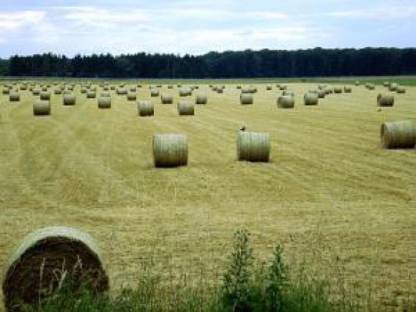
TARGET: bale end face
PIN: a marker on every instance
(145, 108)
(42, 108)
(398, 134)
(46, 260)
(170, 150)
(253, 146)
(104, 103)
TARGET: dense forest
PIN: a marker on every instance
(241, 64)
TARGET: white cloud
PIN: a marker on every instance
(12, 21)
(380, 13)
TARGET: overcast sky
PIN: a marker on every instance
(196, 27)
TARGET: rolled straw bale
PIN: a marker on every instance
(186, 108)
(6, 90)
(145, 108)
(400, 90)
(220, 90)
(42, 108)
(44, 89)
(35, 91)
(269, 88)
(286, 101)
(357, 83)
(398, 134)
(385, 100)
(337, 90)
(283, 87)
(104, 102)
(59, 91)
(170, 150)
(246, 99)
(105, 94)
(91, 95)
(46, 260)
(121, 91)
(286, 93)
(14, 97)
(45, 96)
(321, 93)
(83, 90)
(185, 92)
(347, 89)
(69, 99)
(311, 98)
(133, 89)
(370, 86)
(154, 92)
(201, 99)
(386, 84)
(166, 99)
(131, 96)
(253, 146)
(393, 87)
(170, 86)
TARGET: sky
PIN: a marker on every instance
(197, 27)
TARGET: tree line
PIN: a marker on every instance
(229, 64)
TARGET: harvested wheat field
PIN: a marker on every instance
(330, 193)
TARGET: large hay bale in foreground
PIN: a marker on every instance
(170, 150)
(69, 99)
(286, 101)
(311, 98)
(145, 108)
(47, 259)
(398, 134)
(246, 99)
(201, 99)
(104, 102)
(253, 146)
(166, 99)
(186, 108)
(385, 100)
(42, 108)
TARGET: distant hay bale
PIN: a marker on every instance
(253, 146)
(249, 89)
(44, 89)
(269, 88)
(220, 90)
(288, 93)
(393, 87)
(35, 92)
(337, 90)
(145, 108)
(246, 99)
(322, 93)
(57, 91)
(105, 94)
(14, 97)
(133, 89)
(311, 98)
(170, 87)
(104, 102)
(121, 91)
(154, 92)
(385, 100)
(286, 101)
(186, 108)
(45, 96)
(45, 260)
(69, 99)
(83, 90)
(166, 99)
(400, 90)
(347, 89)
(282, 87)
(91, 95)
(370, 86)
(386, 84)
(201, 99)
(238, 87)
(6, 90)
(185, 92)
(398, 134)
(42, 108)
(170, 150)
(357, 83)
(131, 96)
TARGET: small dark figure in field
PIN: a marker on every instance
(243, 128)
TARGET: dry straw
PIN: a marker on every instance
(91, 95)
(385, 100)
(246, 99)
(69, 99)
(337, 90)
(42, 108)
(186, 108)
(45, 260)
(145, 108)
(311, 98)
(166, 99)
(398, 134)
(170, 150)
(253, 146)
(104, 102)
(286, 101)
(347, 89)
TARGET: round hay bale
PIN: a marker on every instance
(385, 100)
(337, 90)
(45, 96)
(170, 86)
(131, 96)
(288, 93)
(201, 99)
(322, 93)
(57, 91)
(166, 99)
(121, 91)
(6, 91)
(220, 91)
(186, 108)
(14, 97)
(145, 108)
(46, 260)
(104, 102)
(357, 83)
(133, 89)
(185, 92)
(91, 95)
(386, 84)
(283, 87)
(400, 90)
(41, 108)
(269, 88)
(253, 146)
(154, 92)
(35, 92)
(170, 150)
(347, 89)
(105, 94)
(398, 134)
(370, 86)
(249, 89)
(44, 89)
(311, 98)
(246, 99)
(83, 90)
(69, 99)
(393, 87)
(286, 101)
